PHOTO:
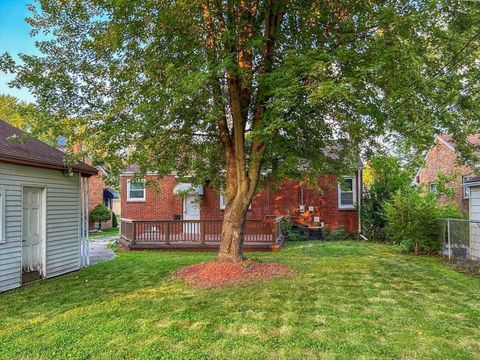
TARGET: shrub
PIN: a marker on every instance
(114, 220)
(413, 220)
(291, 233)
(384, 176)
(99, 214)
(336, 235)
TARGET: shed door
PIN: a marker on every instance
(32, 232)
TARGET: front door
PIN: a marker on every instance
(191, 211)
(32, 230)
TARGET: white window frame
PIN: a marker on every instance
(144, 198)
(3, 201)
(432, 187)
(223, 203)
(466, 189)
(354, 191)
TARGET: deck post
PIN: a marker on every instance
(202, 231)
(134, 232)
(167, 234)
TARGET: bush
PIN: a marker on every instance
(413, 220)
(100, 214)
(114, 220)
(384, 176)
(336, 235)
(290, 233)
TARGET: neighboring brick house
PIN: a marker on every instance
(336, 208)
(100, 193)
(442, 157)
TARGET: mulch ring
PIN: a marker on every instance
(218, 274)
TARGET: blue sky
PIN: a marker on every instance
(14, 39)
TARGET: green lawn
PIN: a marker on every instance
(104, 233)
(347, 300)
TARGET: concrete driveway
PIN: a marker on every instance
(99, 251)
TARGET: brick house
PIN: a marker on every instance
(335, 207)
(100, 193)
(442, 157)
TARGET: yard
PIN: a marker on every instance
(347, 300)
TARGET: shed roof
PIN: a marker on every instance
(32, 152)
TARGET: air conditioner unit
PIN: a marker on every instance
(302, 208)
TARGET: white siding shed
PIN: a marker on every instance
(475, 222)
(43, 211)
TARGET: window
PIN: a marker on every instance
(347, 196)
(2, 216)
(223, 202)
(433, 187)
(466, 189)
(135, 191)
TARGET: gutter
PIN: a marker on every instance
(44, 165)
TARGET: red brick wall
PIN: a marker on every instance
(161, 203)
(443, 159)
(95, 195)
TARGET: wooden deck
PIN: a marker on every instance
(196, 235)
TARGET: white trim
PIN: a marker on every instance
(471, 184)
(354, 192)
(142, 199)
(359, 202)
(133, 173)
(464, 188)
(223, 202)
(447, 144)
(3, 223)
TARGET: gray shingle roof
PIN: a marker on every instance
(15, 148)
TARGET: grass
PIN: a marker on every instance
(347, 300)
(104, 233)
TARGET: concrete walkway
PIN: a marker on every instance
(99, 251)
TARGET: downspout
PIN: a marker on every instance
(301, 194)
(359, 202)
(87, 218)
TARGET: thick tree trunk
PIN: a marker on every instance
(231, 245)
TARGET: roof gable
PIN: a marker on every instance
(16, 147)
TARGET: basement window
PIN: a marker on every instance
(347, 193)
(136, 191)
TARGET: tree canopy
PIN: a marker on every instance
(228, 90)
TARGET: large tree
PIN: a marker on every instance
(227, 90)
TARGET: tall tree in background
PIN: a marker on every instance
(227, 90)
(34, 120)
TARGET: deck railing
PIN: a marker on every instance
(208, 232)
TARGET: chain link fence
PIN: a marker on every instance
(460, 238)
